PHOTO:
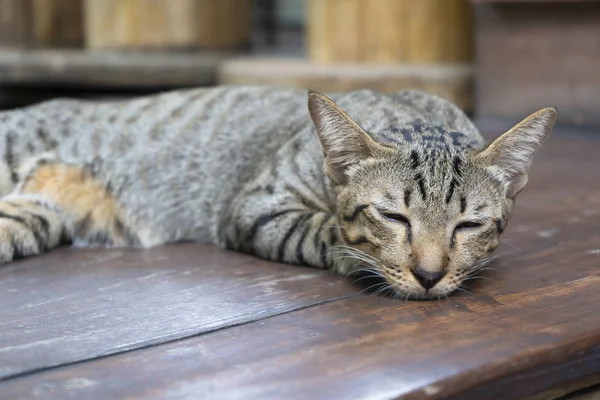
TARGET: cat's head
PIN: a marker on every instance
(424, 221)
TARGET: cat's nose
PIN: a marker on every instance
(427, 279)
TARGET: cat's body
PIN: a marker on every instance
(241, 167)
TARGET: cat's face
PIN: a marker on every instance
(425, 243)
(424, 224)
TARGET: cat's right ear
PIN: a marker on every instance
(509, 157)
(344, 142)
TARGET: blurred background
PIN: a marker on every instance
(497, 59)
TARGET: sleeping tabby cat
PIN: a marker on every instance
(401, 185)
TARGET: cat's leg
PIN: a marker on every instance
(294, 235)
(58, 203)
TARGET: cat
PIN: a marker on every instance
(400, 185)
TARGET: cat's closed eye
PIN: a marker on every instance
(395, 217)
(467, 225)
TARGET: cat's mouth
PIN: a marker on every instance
(400, 286)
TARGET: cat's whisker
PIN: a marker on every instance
(478, 277)
(483, 262)
(351, 249)
(371, 269)
(463, 289)
(346, 252)
(485, 268)
(383, 289)
(350, 253)
(481, 269)
(375, 274)
(371, 287)
(506, 241)
(354, 257)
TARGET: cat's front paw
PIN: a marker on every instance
(27, 228)
(16, 239)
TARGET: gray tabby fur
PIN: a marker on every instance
(243, 168)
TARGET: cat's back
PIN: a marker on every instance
(399, 113)
(226, 112)
(235, 116)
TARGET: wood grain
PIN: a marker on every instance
(15, 23)
(531, 328)
(223, 24)
(493, 345)
(389, 31)
(162, 24)
(73, 305)
(57, 23)
(91, 69)
(41, 24)
(532, 1)
(453, 82)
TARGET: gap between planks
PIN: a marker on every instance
(35, 371)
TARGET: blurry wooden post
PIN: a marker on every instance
(439, 31)
(223, 23)
(15, 20)
(208, 24)
(386, 45)
(41, 23)
(389, 31)
(57, 23)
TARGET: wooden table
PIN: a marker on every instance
(190, 321)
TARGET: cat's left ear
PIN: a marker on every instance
(344, 142)
(510, 156)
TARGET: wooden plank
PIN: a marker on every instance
(223, 24)
(109, 69)
(384, 31)
(15, 23)
(589, 394)
(497, 345)
(317, 31)
(57, 23)
(533, 1)
(334, 31)
(453, 82)
(131, 24)
(426, 28)
(115, 24)
(535, 54)
(533, 327)
(41, 23)
(75, 305)
(389, 31)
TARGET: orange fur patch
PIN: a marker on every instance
(79, 195)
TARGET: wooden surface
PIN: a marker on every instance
(15, 23)
(453, 82)
(389, 31)
(164, 24)
(532, 1)
(57, 23)
(531, 53)
(192, 322)
(130, 70)
(41, 24)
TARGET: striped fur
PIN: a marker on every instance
(358, 179)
